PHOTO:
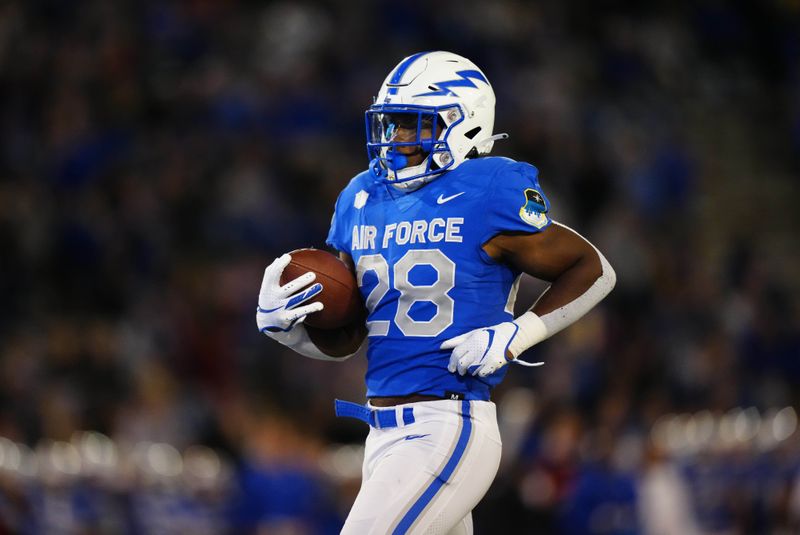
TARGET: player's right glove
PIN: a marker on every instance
(279, 307)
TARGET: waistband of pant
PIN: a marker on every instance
(379, 418)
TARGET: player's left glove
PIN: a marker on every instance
(483, 351)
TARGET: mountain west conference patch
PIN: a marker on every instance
(532, 212)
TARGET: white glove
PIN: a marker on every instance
(279, 306)
(482, 351)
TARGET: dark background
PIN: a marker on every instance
(156, 156)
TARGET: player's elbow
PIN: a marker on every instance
(340, 354)
(607, 277)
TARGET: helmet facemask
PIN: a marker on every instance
(396, 134)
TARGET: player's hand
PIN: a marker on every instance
(279, 307)
(481, 352)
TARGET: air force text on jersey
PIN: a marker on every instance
(365, 237)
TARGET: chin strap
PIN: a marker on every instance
(380, 173)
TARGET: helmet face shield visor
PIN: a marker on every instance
(403, 128)
(397, 133)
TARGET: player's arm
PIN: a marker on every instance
(348, 261)
(282, 309)
(580, 277)
(562, 257)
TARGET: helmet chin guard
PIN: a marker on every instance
(446, 102)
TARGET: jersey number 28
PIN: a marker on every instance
(435, 293)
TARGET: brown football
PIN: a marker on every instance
(340, 294)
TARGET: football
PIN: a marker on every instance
(340, 295)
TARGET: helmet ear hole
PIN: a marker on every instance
(472, 133)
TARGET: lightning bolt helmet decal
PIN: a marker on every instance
(465, 80)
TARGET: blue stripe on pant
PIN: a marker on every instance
(439, 480)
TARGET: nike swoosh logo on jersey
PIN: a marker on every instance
(413, 437)
(442, 200)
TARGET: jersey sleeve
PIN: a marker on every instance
(517, 203)
(337, 235)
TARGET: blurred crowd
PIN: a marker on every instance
(157, 155)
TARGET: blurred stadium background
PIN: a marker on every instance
(157, 155)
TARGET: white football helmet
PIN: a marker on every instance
(439, 92)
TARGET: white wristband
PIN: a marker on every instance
(532, 330)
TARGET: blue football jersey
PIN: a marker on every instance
(423, 273)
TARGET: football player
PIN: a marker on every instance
(438, 234)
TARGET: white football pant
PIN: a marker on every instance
(425, 477)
